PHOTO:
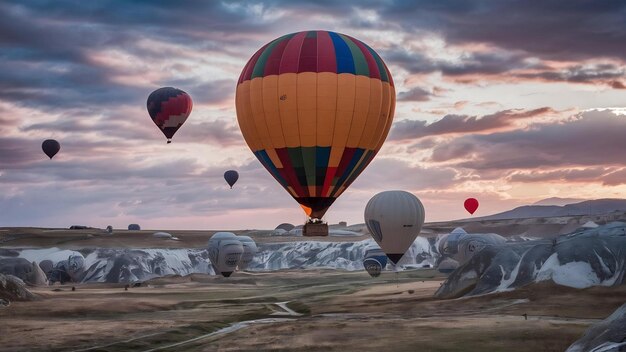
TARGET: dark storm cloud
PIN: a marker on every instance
(592, 138)
(449, 124)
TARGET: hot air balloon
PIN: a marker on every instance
(249, 250)
(225, 251)
(471, 204)
(448, 243)
(169, 108)
(394, 218)
(231, 176)
(51, 147)
(469, 245)
(374, 260)
(315, 107)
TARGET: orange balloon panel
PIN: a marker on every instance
(315, 107)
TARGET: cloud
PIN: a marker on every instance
(414, 94)
(591, 138)
(462, 124)
(581, 30)
(220, 132)
(591, 174)
(608, 74)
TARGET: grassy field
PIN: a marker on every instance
(334, 311)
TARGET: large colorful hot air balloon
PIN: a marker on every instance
(471, 205)
(169, 108)
(315, 107)
(50, 147)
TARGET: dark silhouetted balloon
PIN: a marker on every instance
(471, 204)
(50, 147)
(169, 108)
(231, 176)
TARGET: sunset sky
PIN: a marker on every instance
(509, 102)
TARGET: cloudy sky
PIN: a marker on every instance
(506, 101)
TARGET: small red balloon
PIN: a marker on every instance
(471, 204)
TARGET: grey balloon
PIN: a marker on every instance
(249, 250)
(225, 252)
(394, 218)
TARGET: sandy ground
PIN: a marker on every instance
(325, 310)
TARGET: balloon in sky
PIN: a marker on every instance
(374, 260)
(225, 251)
(315, 107)
(471, 204)
(169, 108)
(394, 218)
(51, 147)
(231, 176)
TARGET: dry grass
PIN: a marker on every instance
(343, 311)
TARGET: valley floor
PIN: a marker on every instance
(299, 311)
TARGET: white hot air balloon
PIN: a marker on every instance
(249, 250)
(225, 252)
(394, 218)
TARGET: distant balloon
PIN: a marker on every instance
(315, 107)
(249, 250)
(394, 218)
(51, 147)
(76, 266)
(231, 176)
(448, 244)
(471, 204)
(169, 108)
(225, 252)
(374, 261)
(469, 245)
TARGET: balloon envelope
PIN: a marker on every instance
(75, 266)
(315, 107)
(471, 204)
(394, 218)
(169, 108)
(231, 176)
(51, 147)
(374, 261)
(469, 245)
(249, 250)
(225, 251)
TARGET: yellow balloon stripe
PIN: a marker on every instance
(315, 109)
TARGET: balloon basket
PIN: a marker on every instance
(315, 229)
